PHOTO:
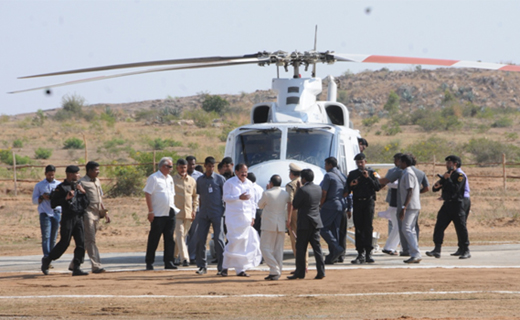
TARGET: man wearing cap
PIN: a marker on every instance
(453, 184)
(187, 200)
(363, 183)
(92, 186)
(49, 217)
(71, 196)
(363, 144)
(159, 193)
(292, 216)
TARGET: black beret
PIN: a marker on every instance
(362, 141)
(454, 159)
(72, 169)
(360, 156)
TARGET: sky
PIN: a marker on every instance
(47, 36)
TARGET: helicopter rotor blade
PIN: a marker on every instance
(145, 64)
(315, 48)
(190, 66)
(365, 58)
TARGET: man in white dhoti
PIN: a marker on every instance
(242, 251)
(274, 203)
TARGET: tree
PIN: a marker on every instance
(392, 104)
(214, 103)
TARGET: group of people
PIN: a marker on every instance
(249, 224)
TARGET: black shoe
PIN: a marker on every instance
(272, 277)
(433, 253)
(170, 266)
(360, 259)
(369, 259)
(185, 263)
(413, 260)
(390, 252)
(214, 261)
(201, 271)
(193, 262)
(457, 253)
(294, 277)
(177, 263)
(46, 261)
(243, 274)
(340, 259)
(319, 277)
(149, 266)
(100, 270)
(465, 255)
(224, 273)
(79, 272)
(404, 254)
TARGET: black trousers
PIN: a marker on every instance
(161, 226)
(451, 211)
(343, 226)
(70, 227)
(363, 217)
(303, 238)
(258, 221)
(467, 207)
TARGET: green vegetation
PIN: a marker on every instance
(370, 121)
(73, 143)
(383, 153)
(39, 119)
(392, 104)
(426, 149)
(161, 144)
(72, 108)
(215, 103)
(129, 181)
(18, 143)
(6, 156)
(147, 157)
(42, 153)
(201, 118)
(484, 150)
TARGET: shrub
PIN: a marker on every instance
(160, 144)
(214, 103)
(129, 181)
(503, 122)
(42, 153)
(392, 104)
(201, 118)
(73, 143)
(369, 122)
(484, 150)
(6, 156)
(425, 150)
(18, 143)
(39, 118)
(147, 157)
(382, 153)
(391, 128)
(73, 103)
(438, 122)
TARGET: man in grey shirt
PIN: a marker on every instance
(408, 213)
(210, 188)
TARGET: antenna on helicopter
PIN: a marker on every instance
(313, 74)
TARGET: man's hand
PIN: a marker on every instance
(288, 225)
(107, 218)
(365, 173)
(192, 215)
(252, 222)
(46, 196)
(349, 214)
(437, 185)
(401, 213)
(447, 175)
(80, 188)
(245, 196)
(70, 195)
(354, 182)
(150, 217)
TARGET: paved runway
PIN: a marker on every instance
(486, 256)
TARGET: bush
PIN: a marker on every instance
(214, 103)
(18, 143)
(438, 122)
(42, 153)
(425, 150)
(391, 128)
(39, 119)
(369, 122)
(129, 181)
(161, 144)
(484, 150)
(392, 104)
(201, 118)
(73, 103)
(382, 153)
(73, 143)
(147, 157)
(503, 122)
(6, 156)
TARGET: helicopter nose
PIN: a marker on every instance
(265, 170)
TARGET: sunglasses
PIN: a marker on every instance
(167, 166)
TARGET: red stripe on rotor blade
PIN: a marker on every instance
(405, 60)
(510, 68)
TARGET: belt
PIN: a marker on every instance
(363, 199)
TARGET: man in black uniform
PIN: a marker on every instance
(452, 184)
(71, 196)
(363, 183)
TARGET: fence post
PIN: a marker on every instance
(85, 142)
(14, 174)
(433, 171)
(153, 160)
(504, 170)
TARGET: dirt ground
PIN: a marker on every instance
(346, 294)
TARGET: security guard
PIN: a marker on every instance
(363, 183)
(452, 183)
(292, 216)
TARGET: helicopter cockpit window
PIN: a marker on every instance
(257, 146)
(309, 145)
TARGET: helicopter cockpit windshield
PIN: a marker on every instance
(256, 146)
(309, 145)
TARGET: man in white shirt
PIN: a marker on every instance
(159, 193)
(242, 251)
(409, 190)
(274, 203)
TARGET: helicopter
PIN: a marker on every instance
(296, 128)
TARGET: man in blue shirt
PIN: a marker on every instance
(49, 218)
(210, 188)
